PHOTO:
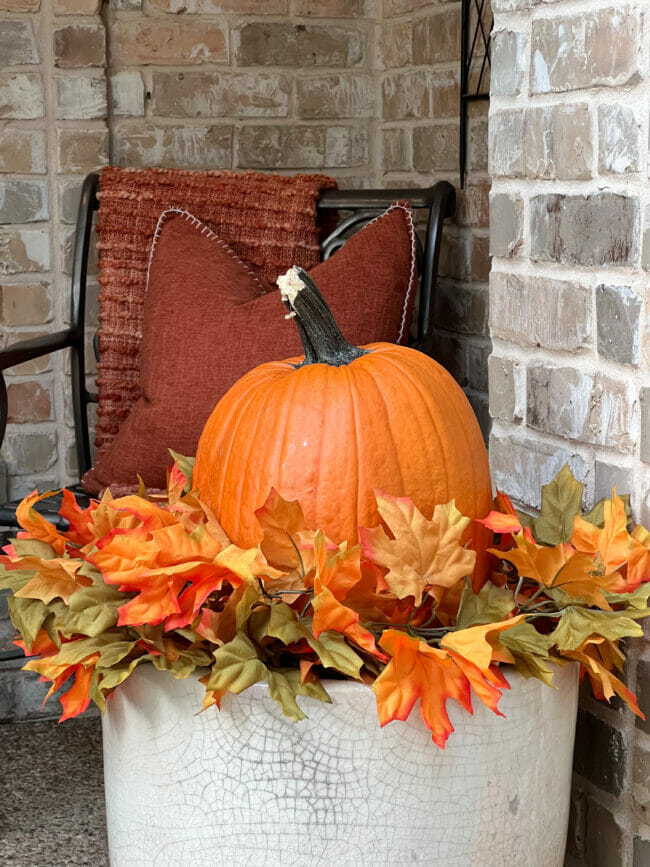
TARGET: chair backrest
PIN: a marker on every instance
(356, 208)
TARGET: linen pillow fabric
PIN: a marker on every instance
(208, 319)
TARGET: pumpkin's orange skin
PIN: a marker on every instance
(328, 436)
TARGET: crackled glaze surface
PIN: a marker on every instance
(248, 787)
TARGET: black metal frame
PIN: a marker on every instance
(468, 49)
(439, 200)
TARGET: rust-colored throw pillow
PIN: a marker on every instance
(208, 319)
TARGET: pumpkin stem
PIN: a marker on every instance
(321, 337)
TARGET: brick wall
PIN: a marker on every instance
(53, 102)
(570, 366)
(419, 54)
(365, 90)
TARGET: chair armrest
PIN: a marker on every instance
(25, 350)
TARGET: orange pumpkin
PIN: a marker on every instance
(330, 429)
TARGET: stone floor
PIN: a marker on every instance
(52, 794)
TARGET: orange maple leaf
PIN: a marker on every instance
(335, 576)
(419, 671)
(36, 526)
(603, 683)
(423, 555)
(575, 572)
(617, 548)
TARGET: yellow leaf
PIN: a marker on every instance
(478, 643)
(423, 555)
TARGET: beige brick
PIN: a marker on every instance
(502, 387)
(480, 253)
(24, 251)
(198, 146)
(520, 465)
(645, 255)
(619, 139)
(23, 151)
(331, 8)
(82, 150)
(127, 93)
(508, 58)
(23, 201)
(395, 39)
(21, 95)
(537, 311)
(477, 369)
(18, 44)
(78, 45)
(28, 401)
(281, 147)
(346, 146)
(396, 7)
(211, 7)
(157, 41)
(80, 97)
(26, 304)
(506, 224)
(20, 5)
(512, 5)
(558, 143)
(436, 38)
(408, 95)
(618, 316)
(261, 43)
(472, 207)
(588, 408)
(644, 400)
(435, 148)
(76, 7)
(335, 96)
(32, 453)
(592, 49)
(36, 366)
(215, 94)
(69, 195)
(396, 150)
(506, 158)
(462, 309)
(125, 5)
(477, 144)
(594, 230)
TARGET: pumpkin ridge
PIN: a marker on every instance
(358, 441)
(427, 399)
(384, 401)
(233, 440)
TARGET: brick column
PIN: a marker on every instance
(570, 366)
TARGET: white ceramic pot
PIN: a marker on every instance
(246, 786)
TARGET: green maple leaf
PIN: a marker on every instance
(91, 611)
(490, 605)
(331, 648)
(524, 638)
(15, 579)
(636, 599)
(28, 616)
(285, 685)
(561, 502)
(236, 666)
(578, 624)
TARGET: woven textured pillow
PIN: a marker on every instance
(208, 319)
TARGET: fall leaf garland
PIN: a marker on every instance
(135, 580)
